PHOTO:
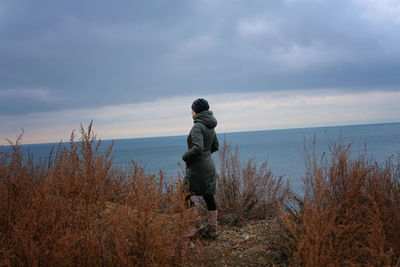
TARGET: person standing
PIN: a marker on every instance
(200, 175)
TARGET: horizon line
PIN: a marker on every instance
(240, 131)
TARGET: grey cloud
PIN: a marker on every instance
(93, 53)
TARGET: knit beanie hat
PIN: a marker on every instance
(200, 105)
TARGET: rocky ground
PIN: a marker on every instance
(257, 243)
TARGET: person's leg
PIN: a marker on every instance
(210, 201)
(192, 209)
(211, 215)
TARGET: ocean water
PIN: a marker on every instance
(283, 149)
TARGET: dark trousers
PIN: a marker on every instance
(209, 199)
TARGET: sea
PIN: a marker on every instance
(283, 149)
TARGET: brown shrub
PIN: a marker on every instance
(76, 209)
(349, 212)
(245, 191)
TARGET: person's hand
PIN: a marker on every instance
(187, 164)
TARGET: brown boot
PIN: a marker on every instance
(198, 224)
(212, 225)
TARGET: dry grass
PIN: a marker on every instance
(349, 214)
(75, 209)
(245, 191)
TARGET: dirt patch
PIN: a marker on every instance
(256, 243)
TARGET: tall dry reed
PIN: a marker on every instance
(246, 191)
(76, 209)
(349, 214)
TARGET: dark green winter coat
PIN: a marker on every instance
(202, 141)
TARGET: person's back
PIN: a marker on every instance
(207, 122)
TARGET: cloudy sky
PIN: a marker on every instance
(134, 67)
